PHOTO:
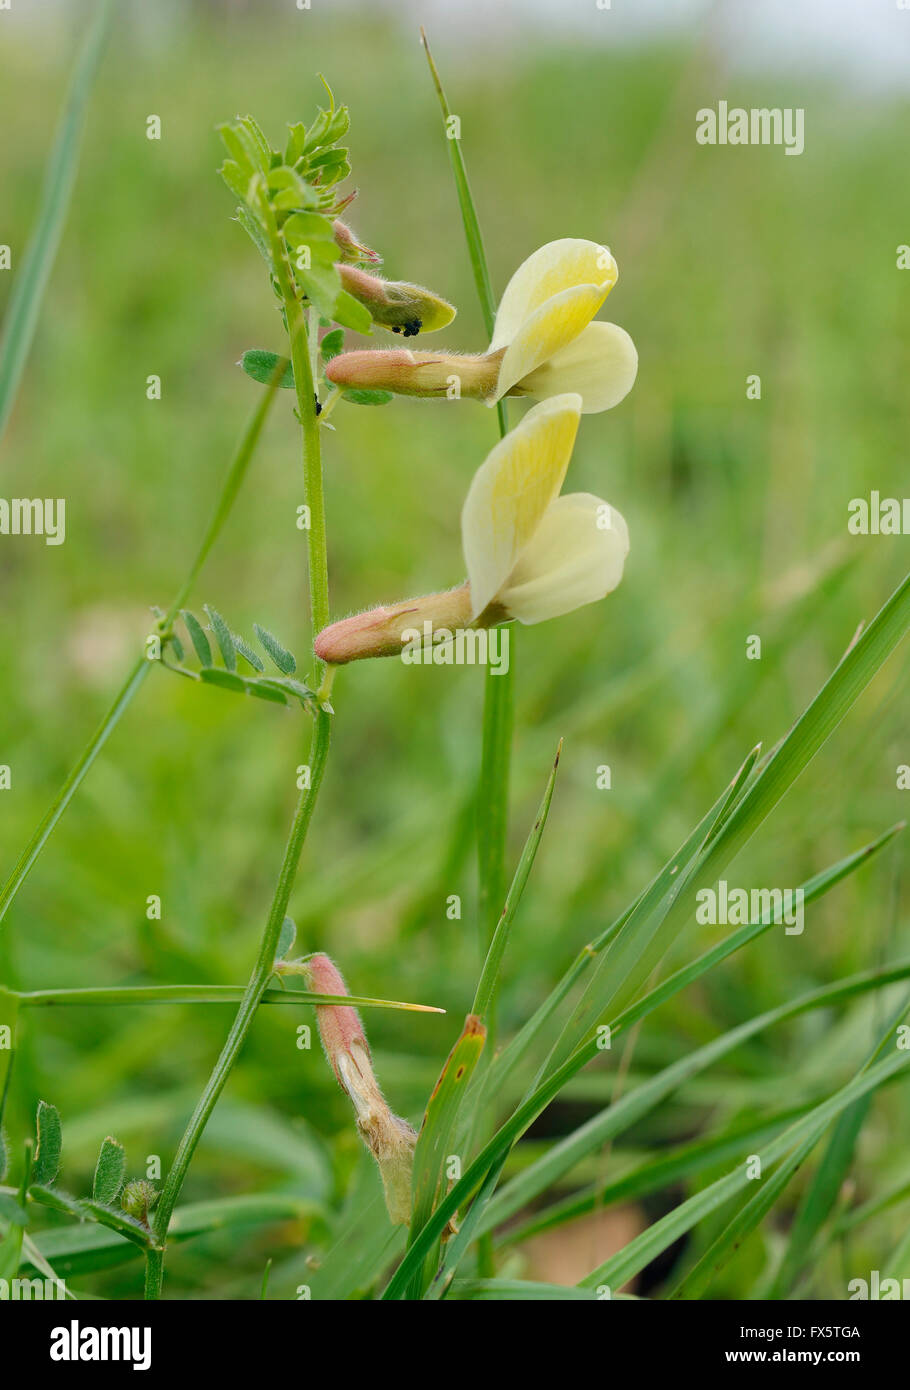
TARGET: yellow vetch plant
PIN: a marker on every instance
(544, 341)
(530, 553)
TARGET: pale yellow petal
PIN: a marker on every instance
(551, 327)
(558, 266)
(575, 556)
(512, 490)
(600, 364)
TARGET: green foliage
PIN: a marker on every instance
(50, 1140)
(110, 1171)
(289, 202)
(437, 1132)
(360, 396)
(261, 365)
(283, 659)
(280, 690)
(286, 939)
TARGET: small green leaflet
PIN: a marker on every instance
(282, 658)
(261, 365)
(223, 636)
(109, 1172)
(197, 637)
(47, 1156)
(358, 397)
(286, 939)
(332, 344)
(247, 653)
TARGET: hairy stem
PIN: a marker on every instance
(300, 347)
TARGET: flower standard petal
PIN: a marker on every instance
(558, 266)
(512, 490)
(575, 556)
(600, 364)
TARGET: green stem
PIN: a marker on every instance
(493, 798)
(262, 973)
(499, 700)
(299, 338)
(202, 994)
(499, 690)
(140, 670)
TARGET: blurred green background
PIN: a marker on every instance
(732, 262)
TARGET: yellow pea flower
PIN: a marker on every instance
(530, 553)
(528, 550)
(544, 341)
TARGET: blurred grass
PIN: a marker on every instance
(731, 262)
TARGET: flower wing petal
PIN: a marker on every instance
(512, 490)
(576, 556)
(558, 266)
(551, 327)
(600, 364)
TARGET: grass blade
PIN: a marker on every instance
(643, 941)
(205, 994)
(820, 1197)
(533, 1106)
(796, 1142)
(438, 1128)
(621, 1267)
(488, 983)
(750, 1215)
(654, 1175)
(513, 1290)
(659, 886)
(564, 1155)
(472, 231)
(31, 281)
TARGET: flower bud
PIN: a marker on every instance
(390, 1139)
(351, 247)
(382, 631)
(138, 1198)
(417, 373)
(396, 305)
